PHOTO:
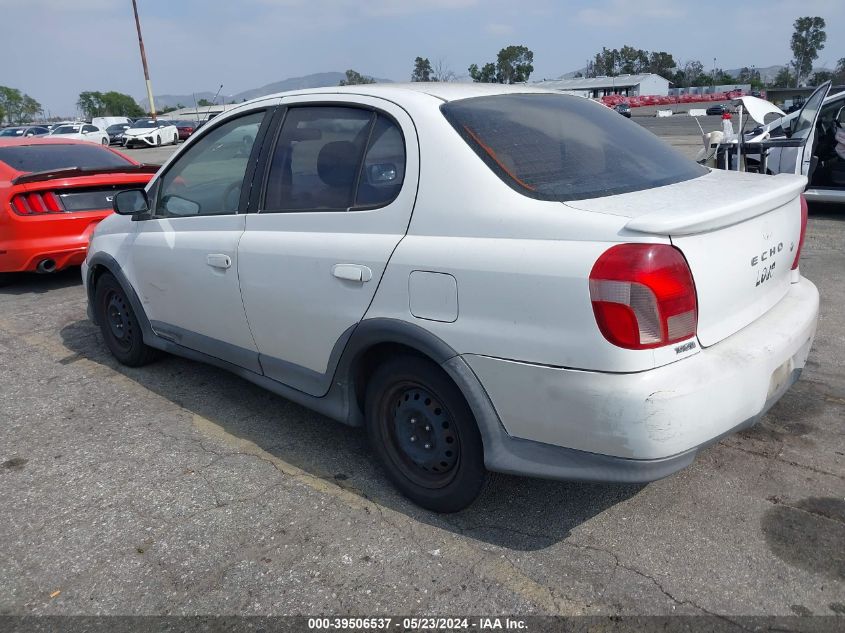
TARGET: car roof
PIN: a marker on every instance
(444, 91)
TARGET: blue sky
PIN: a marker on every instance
(195, 45)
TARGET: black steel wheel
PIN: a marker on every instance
(119, 325)
(424, 432)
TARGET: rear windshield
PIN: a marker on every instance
(562, 147)
(49, 157)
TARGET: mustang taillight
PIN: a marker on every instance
(643, 296)
(803, 232)
(36, 203)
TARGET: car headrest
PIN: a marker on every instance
(337, 163)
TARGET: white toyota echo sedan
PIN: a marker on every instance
(487, 278)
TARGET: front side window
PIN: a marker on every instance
(207, 178)
(561, 147)
(331, 158)
(89, 129)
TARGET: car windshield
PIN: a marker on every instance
(50, 156)
(562, 147)
(12, 131)
(67, 129)
(145, 124)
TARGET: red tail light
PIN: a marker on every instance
(36, 203)
(643, 296)
(803, 231)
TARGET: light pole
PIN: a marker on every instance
(144, 61)
(714, 73)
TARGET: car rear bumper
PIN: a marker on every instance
(26, 241)
(653, 420)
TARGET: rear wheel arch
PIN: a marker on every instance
(375, 341)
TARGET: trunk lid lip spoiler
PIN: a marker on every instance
(784, 188)
(69, 172)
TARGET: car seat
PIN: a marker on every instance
(337, 167)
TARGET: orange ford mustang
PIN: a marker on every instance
(53, 192)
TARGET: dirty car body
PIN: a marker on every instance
(560, 293)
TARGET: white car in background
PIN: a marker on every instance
(149, 133)
(485, 277)
(81, 132)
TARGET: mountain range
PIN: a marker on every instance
(315, 80)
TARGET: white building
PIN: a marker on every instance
(595, 87)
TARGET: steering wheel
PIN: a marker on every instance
(227, 194)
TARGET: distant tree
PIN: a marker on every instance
(661, 63)
(605, 63)
(90, 103)
(29, 108)
(353, 78)
(16, 106)
(821, 76)
(119, 104)
(839, 72)
(783, 79)
(204, 103)
(632, 60)
(442, 72)
(111, 103)
(629, 60)
(721, 78)
(486, 74)
(422, 70)
(807, 40)
(514, 64)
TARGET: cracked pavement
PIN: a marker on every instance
(178, 488)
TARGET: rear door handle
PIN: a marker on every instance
(352, 272)
(219, 260)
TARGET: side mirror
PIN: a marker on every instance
(131, 202)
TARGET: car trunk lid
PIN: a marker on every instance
(737, 231)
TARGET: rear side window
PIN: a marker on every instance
(329, 158)
(561, 147)
(52, 156)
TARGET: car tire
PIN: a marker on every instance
(105, 142)
(424, 433)
(119, 324)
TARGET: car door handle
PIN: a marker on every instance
(352, 272)
(218, 260)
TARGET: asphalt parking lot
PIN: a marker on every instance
(178, 488)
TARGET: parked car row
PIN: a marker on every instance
(127, 133)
